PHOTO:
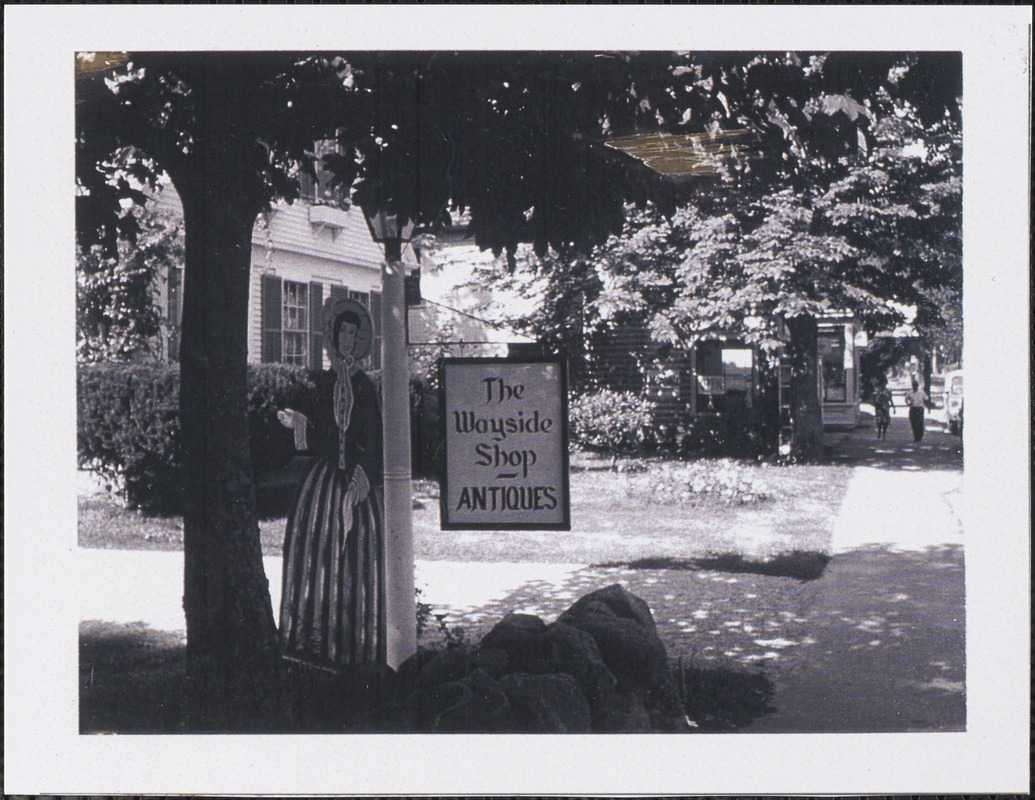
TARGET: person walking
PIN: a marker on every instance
(883, 402)
(917, 402)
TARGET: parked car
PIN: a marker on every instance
(953, 401)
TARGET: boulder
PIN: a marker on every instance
(492, 660)
(636, 658)
(451, 664)
(619, 601)
(475, 704)
(622, 712)
(575, 652)
(547, 703)
(520, 636)
(626, 635)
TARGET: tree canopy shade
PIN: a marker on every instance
(532, 144)
(515, 140)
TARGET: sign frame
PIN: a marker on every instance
(448, 524)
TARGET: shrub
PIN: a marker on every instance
(272, 387)
(739, 432)
(426, 429)
(615, 422)
(128, 429)
(128, 425)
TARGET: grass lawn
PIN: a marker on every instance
(650, 509)
(131, 679)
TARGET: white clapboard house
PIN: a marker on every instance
(302, 253)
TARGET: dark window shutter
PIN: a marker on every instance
(271, 322)
(316, 325)
(339, 292)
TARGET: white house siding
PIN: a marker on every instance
(304, 243)
(302, 269)
(338, 235)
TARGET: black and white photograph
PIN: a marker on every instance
(537, 388)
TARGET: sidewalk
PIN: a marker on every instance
(126, 586)
(887, 617)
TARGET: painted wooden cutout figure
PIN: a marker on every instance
(332, 611)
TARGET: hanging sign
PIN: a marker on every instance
(505, 429)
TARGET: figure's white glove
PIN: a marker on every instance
(295, 420)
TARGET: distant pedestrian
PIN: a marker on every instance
(883, 402)
(917, 401)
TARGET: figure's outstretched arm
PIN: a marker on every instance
(298, 422)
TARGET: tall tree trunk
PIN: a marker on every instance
(234, 673)
(806, 413)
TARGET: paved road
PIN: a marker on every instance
(875, 644)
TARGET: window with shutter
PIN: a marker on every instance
(295, 316)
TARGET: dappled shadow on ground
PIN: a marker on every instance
(886, 647)
(131, 679)
(938, 450)
(800, 564)
(876, 643)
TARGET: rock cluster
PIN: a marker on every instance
(600, 667)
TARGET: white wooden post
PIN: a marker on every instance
(401, 598)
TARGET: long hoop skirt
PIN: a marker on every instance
(332, 611)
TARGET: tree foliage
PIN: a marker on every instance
(142, 114)
(863, 216)
(117, 316)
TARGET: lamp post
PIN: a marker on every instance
(400, 599)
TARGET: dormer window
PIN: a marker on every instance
(319, 189)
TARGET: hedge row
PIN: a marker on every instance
(129, 427)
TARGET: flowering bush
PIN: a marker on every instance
(615, 422)
(723, 481)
